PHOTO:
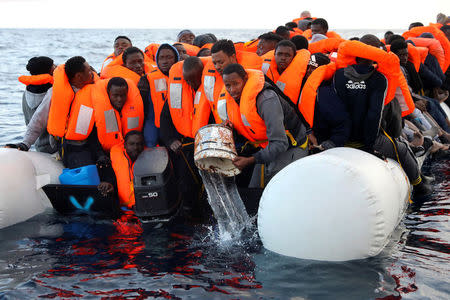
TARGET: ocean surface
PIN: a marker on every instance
(56, 257)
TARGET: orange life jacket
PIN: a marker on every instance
(202, 111)
(151, 50)
(434, 48)
(290, 81)
(120, 71)
(387, 63)
(298, 31)
(36, 79)
(423, 53)
(308, 96)
(158, 92)
(191, 50)
(123, 168)
(437, 25)
(112, 126)
(413, 55)
(71, 114)
(330, 34)
(182, 99)
(207, 46)
(244, 117)
(325, 46)
(439, 35)
(111, 60)
(251, 46)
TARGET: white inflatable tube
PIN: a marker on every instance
(338, 205)
(21, 177)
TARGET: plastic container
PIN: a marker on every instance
(86, 175)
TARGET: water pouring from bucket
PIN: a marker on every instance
(214, 154)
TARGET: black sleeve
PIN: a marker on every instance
(144, 89)
(94, 145)
(376, 103)
(168, 132)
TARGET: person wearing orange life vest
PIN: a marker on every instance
(38, 84)
(176, 130)
(123, 157)
(363, 90)
(287, 69)
(258, 113)
(120, 44)
(118, 109)
(267, 42)
(153, 89)
(133, 66)
(320, 26)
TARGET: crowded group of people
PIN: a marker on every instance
(292, 92)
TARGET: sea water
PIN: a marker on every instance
(53, 256)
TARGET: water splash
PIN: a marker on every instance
(226, 204)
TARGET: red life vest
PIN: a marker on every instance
(439, 35)
(123, 168)
(244, 117)
(182, 100)
(290, 81)
(325, 46)
(308, 96)
(36, 79)
(191, 50)
(151, 50)
(158, 91)
(434, 48)
(71, 114)
(111, 60)
(112, 126)
(387, 63)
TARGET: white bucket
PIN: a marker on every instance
(215, 150)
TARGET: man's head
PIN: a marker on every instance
(166, 56)
(284, 32)
(133, 59)
(117, 90)
(371, 40)
(120, 44)
(387, 35)
(223, 53)
(304, 24)
(204, 52)
(284, 54)
(186, 36)
(393, 38)
(181, 51)
(134, 144)
(267, 42)
(305, 14)
(40, 65)
(441, 18)
(316, 60)
(400, 48)
(300, 42)
(203, 39)
(234, 79)
(415, 24)
(291, 25)
(446, 30)
(320, 26)
(192, 71)
(78, 72)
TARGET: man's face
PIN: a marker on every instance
(166, 58)
(120, 45)
(316, 28)
(86, 77)
(134, 146)
(402, 56)
(265, 46)
(283, 57)
(234, 85)
(220, 60)
(135, 62)
(193, 77)
(182, 51)
(118, 96)
(187, 38)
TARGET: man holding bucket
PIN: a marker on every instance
(258, 113)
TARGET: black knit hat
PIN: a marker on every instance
(40, 65)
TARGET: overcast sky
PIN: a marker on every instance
(245, 14)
